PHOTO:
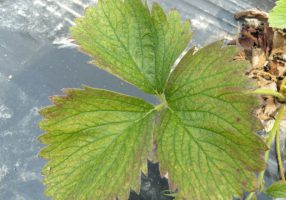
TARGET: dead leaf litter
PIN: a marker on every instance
(265, 48)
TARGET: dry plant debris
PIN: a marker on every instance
(265, 48)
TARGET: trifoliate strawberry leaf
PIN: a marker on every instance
(206, 137)
(277, 16)
(277, 190)
(133, 44)
(98, 143)
(98, 140)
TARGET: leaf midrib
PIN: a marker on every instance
(123, 45)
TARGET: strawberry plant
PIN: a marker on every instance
(202, 133)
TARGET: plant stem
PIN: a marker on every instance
(280, 164)
(282, 86)
(163, 101)
(269, 141)
(276, 125)
(250, 196)
(268, 92)
(160, 107)
(162, 98)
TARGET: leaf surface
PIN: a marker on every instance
(132, 43)
(277, 190)
(277, 16)
(98, 143)
(206, 138)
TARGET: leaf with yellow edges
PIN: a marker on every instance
(98, 143)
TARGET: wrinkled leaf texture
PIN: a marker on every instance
(98, 141)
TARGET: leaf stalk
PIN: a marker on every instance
(268, 92)
(278, 151)
(269, 141)
(163, 104)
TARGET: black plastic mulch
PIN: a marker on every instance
(153, 186)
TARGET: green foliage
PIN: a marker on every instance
(129, 42)
(98, 141)
(203, 137)
(277, 190)
(277, 16)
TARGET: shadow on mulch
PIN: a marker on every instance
(153, 186)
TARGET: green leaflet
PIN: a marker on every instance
(206, 138)
(98, 141)
(277, 16)
(129, 42)
(277, 190)
(97, 144)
